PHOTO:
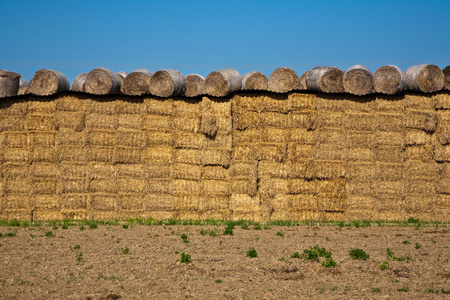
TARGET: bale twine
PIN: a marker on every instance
(167, 83)
(23, 87)
(9, 83)
(325, 79)
(388, 80)
(283, 80)
(446, 72)
(102, 81)
(78, 82)
(358, 80)
(194, 85)
(48, 82)
(255, 80)
(424, 78)
(137, 82)
(222, 82)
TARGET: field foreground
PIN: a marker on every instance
(134, 261)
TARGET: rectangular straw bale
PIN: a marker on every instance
(187, 171)
(442, 153)
(224, 125)
(72, 120)
(17, 155)
(131, 138)
(249, 135)
(251, 102)
(300, 102)
(45, 170)
(73, 185)
(15, 170)
(216, 172)
(330, 152)
(389, 122)
(273, 169)
(108, 185)
(244, 152)
(334, 188)
(271, 186)
(71, 153)
(417, 137)
(158, 170)
(216, 187)
(42, 138)
(327, 103)
(130, 185)
(218, 107)
(41, 122)
(12, 107)
(101, 137)
(325, 169)
(103, 202)
(216, 157)
(420, 101)
(105, 215)
(360, 205)
(390, 207)
(100, 153)
(46, 215)
(65, 136)
(37, 105)
(158, 154)
(390, 154)
(128, 155)
(301, 202)
(130, 171)
(130, 121)
(424, 120)
(187, 156)
(365, 188)
(102, 170)
(186, 187)
(18, 214)
(244, 169)
(187, 123)
(71, 103)
(390, 171)
(328, 203)
(301, 168)
(158, 202)
(328, 119)
(101, 121)
(46, 202)
(189, 140)
(159, 138)
(271, 152)
(275, 135)
(12, 123)
(44, 186)
(302, 136)
(274, 119)
(43, 154)
(219, 141)
(330, 136)
(421, 170)
(385, 103)
(157, 122)
(281, 203)
(13, 139)
(185, 203)
(16, 201)
(360, 154)
(158, 215)
(360, 139)
(359, 121)
(442, 101)
(421, 186)
(101, 106)
(276, 103)
(421, 153)
(187, 215)
(302, 186)
(360, 171)
(17, 185)
(128, 201)
(419, 205)
(187, 107)
(246, 119)
(244, 202)
(389, 139)
(217, 203)
(389, 188)
(75, 201)
(158, 106)
(129, 105)
(297, 151)
(217, 214)
(443, 186)
(244, 186)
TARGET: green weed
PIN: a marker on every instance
(125, 250)
(228, 230)
(329, 262)
(358, 254)
(418, 246)
(315, 252)
(252, 253)
(49, 234)
(280, 233)
(376, 290)
(185, 239)
(406, 242)
(384, 265)
(403, 289)
(185, 258)
(296, 255)
(218, 281)
(80, 257)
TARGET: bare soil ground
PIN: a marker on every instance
(143, 262)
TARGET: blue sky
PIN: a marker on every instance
(203, 36)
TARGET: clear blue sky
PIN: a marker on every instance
(203, 36)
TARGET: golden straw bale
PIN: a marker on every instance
(66, 136)
(220, 141)
(100, 153)
(303, 202)
(276, 103)
(302, 136)
(326, 119)
(329, 203)
(326, 169)
(360, 121)
(130, 185)
(69, 119)
(281, 202)
(360, 171)
(104, 215)
(246, 120)
(15, 170)
(129, 105)
(360, 154)
(306, 120)
(425, 120)
(77, 215)
(275, 119)
(254, 135)
(187, 107)
(44, 186)
(417, 137)
(158, 202)
(275, 135)
(421, 170)
(272, 186)
(442, 153)
(389, 122)
(158, 106)
(12, 107)
(271, 152)
(42, 138)
(301, 169)
(389, 139)
(13, 139)
(244, 169)
(158, 170)
(101, 121)
(101, 137)
(71, 153)
(244, 203)
(18, 155)
(74, 201)
(41, 122)
(248, 102)
(421, 153)
(103, 202)
(216, 157)
(217, 203)
(420, 101)
(360, 207)
(187, 123)
(71, 185)
(158, 154)
(17, 186)
(390, 154)
(186, 187)
(216, 187)
(442, 134)
(43, 154)
(187, 171)
(297, 151)
(442, 100)
(129, 201)
(16, 201)
(301, 102)
(389, 104)
(46, 215)
(130, 170)
(389, 188)
(302, 186)
(188, 202)
(215, 172)
(157, 122)
(273, 169)
(443, 186)
(189, 140)
(188, 156)
(330, 103)
(100, 105)
(330, 136)
(421, 186)
(103, 185)
(159, 138)
(130, 121)
(217, 214)
(132, 138)
(40, 106)
(389, 171)
(243, 186)
(12, 123)
(418, 204)
(46, 202)
(224, 124)
(208, 124)
(18, 214)
(71, 103)
(187, 215)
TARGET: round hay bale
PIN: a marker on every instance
(167, 83)
(23, 87)
(102, 81)
(9, 83)
(283, 80)
(78, 82)
(137, 82)
(325, 80)
(194, 85)
(222, 82)
(388, 80)
(358, 80)
(424, 78)
(48, 82)
(121, 76)
(255, 80)
(302, 80)
(446, 72)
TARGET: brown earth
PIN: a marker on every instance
(36, 266)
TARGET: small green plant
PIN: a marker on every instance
(252, 253)
(390, 255)
(445, 291)
(218, 281)
(65, 226)
(315, 252)
(75, 247)
(125, 250)
(418, 246)
(267, 226)
(55, 227)
(280, 233)
(80, 257)
(244, 226)
(82, 228)
(281, 259)
(185, 258)
(327, 239)
(11, 234)
(433, 241)
(358, 254)
(329, 262)
(49, 234)
(406, 242)
(384, 265)
(376, 290)
(431, 291)
(257, 226)
(296, 255)
(403, 289)
(125, 226)
(228, 230)
(14, 223)
(185, 239)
